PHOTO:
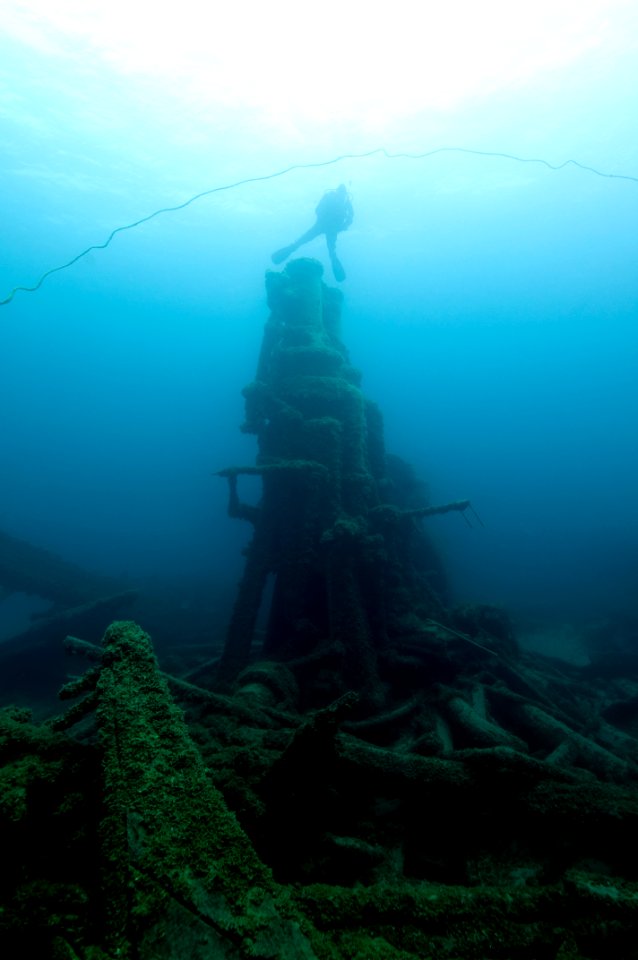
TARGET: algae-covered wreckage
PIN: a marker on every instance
(362, 771)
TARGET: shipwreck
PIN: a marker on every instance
(361, 770)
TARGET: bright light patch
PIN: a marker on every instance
(331, 61)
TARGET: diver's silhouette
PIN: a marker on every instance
(334, 214)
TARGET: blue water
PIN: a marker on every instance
(491, 305)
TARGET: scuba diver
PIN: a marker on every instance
(334, 214)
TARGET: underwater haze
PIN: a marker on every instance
(491, 299)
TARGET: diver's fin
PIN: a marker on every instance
(337, 269)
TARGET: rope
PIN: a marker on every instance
(310, 166)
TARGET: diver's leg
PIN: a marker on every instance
(337, 267)
(315, 231)
(280, 255)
